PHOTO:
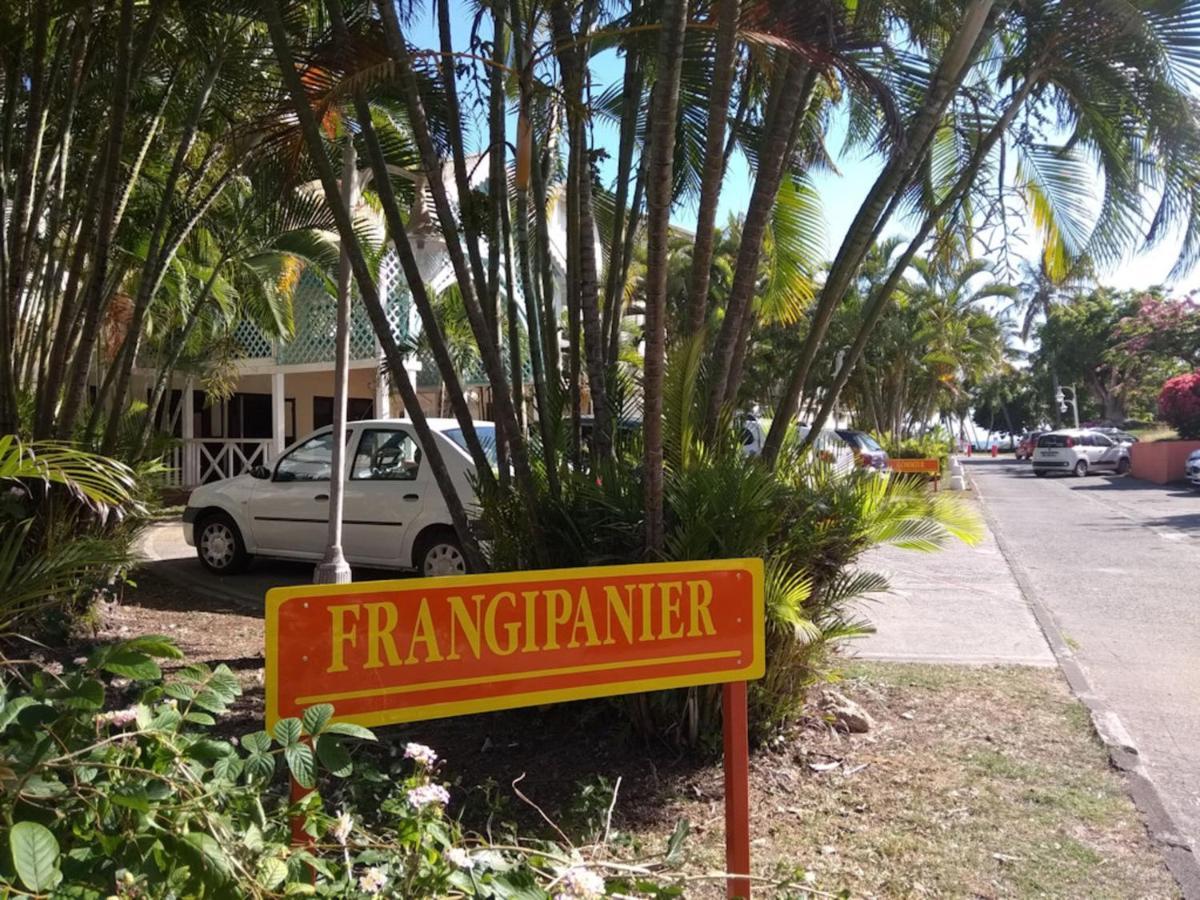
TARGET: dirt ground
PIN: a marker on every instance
(973, 782)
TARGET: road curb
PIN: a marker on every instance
(1165, 832)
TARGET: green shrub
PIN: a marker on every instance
(146, 800)
(68, 521)
(935, 444)
(809, 522)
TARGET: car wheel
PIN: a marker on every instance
(219, 545)
(1040, 473)
(1080, 468)
(1123, 466)
(440, 554)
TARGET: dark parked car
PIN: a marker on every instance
(866, 449)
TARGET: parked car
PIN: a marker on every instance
(831, 448)
(1028, 444)
(1193, 469)
(1116, 434)
(867, 451)
(1077, 452)
(394, 515)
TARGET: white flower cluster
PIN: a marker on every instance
(118, 718)
(419, 753)
(373, 880)
(580, 883)
(427, 794)
(459, 858)
(342, 826)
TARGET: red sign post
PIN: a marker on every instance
(387, 652)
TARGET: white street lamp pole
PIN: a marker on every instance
(333, 568)
(1063, 401)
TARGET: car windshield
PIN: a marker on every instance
(868, 442)
(487, 437)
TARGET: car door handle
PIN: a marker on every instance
(412, 496)
(321, 497)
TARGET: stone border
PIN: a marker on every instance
(1165, 832)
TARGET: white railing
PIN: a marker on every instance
(201, 460)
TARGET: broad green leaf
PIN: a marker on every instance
(274, 871)
(35, 856)
(301, 764)
(131, 798)
(89, 695)
(675, 842)
(131, 664)
(333, 756)
(300, 889)
(257, 742)
(207, 851)
(288, 731)
(14, 706)
(316, 718)
(180, 690)
(158, 645)
(199, 718)
(210, 701)
(260, 765)
(351, 730)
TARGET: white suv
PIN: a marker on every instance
(394, 515)
(1077, 452)
(1193, 469)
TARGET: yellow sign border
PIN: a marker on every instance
(753, 670)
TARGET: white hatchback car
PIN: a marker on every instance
(1077, 452)
(394, 515)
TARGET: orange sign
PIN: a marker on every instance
(906, 466)
(399, 651)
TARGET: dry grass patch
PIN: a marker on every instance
(974, 783)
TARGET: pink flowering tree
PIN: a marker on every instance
(1162, 327)
(1179, 404)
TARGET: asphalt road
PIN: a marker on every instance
(1116, 563)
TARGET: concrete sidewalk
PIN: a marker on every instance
(959, 605)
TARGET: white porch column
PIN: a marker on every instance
(278, 416)
(190, 474)
(383, 396)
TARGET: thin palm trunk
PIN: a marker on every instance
(613, 283)
(367, 289)
(883, 295)
(786, 106)
(416, 283)
(582, 234)
(489, 352)
(664, 107)
(713, 173)
(95, 300)
(957, 60)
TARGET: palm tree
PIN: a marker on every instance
(659, 182)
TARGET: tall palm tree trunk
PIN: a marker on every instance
(957, 60)
(664, 107)
(785, 108)
(713, 174)
(584, 244)
(489, 352)
(366, 286)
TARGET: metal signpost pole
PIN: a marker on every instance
(333, 568)
(737, 789)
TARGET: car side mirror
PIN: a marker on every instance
(260, 472)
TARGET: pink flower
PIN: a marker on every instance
(117, 718)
